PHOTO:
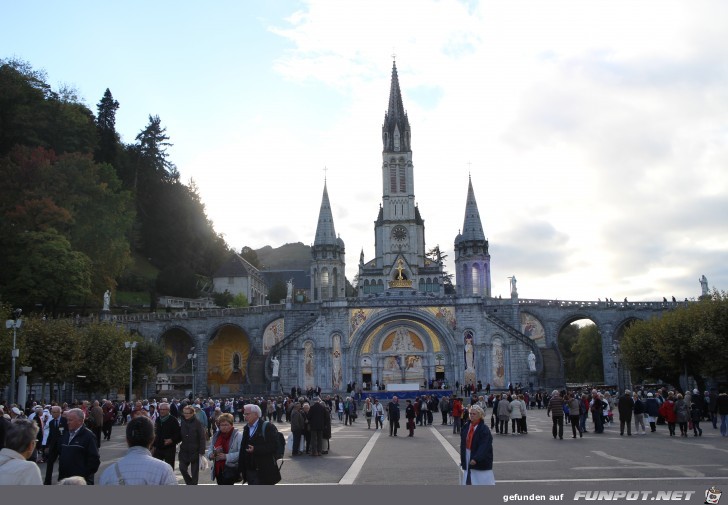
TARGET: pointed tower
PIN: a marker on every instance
(328, 265)
(399, 232)
(472, 261)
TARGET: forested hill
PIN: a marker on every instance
(286, 257)
(77, 204)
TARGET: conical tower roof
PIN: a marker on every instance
(325, 232)
(472, 226)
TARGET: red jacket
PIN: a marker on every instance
(667, 411)
(457, 408)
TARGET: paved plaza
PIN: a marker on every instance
(360, 456)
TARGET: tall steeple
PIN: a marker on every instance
(472, 226)
(472, 261)
(327, 257)
(325, 232)
(396, 128)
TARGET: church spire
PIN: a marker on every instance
(325, 232)
(396, 128)
(472, 226)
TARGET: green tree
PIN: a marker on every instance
(588, 352)
(104, 359)
(53, 348)
(108, 145)
(277, 291)
(177, 280)
(148, 359)
(567, 338)
(223, 299)
(152, 146)
(41, 267)
(437, 256)
(239, 301)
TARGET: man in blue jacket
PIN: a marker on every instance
(79, 455)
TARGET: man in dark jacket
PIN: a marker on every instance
(257, 450)
(556, 409)
(57, 426)
(625, 406)
(167, 435)
(79, 455)
(317, 415)
(298, 424)
(192, 447)
(393, 414)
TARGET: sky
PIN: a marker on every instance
(595, 133)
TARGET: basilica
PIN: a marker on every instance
(402, 327)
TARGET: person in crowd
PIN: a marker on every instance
(652, 408)
(137, 467)
(504, 414)
(556, 410)
(79, 454)
(109, 411)
(21, 437)
(297, 427)
(625, 406)
(168, 435)
(682, 414)
(515, 415)
(696, 415)
(56, 427)
(192, 445)
(476, 450)
(393, 414)
(95, 419)
(639, 414)
(368, 409)
(667, 410)
(721, 408)
(258, 449)
(596, 408)
(444, 409)
(574, 405)
(224, 452)
(410, 414)
(317, 415)
(378, 413)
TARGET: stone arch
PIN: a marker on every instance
(177, 343)
(376, 329)
(229, 350)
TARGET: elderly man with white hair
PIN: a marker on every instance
(79, 454)
(168, 435)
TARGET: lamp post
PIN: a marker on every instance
(14, 323)
(192, 357)
(130, 346)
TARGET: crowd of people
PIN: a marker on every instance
(200, 435)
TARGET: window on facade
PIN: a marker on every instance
(396, 140)
(475, 279)
(402, 180)
(393, 180)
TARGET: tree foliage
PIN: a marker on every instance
(104, 360)
(108, 145)
(690, 340)
(437, 256)
(588, 362)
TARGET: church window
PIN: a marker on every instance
(393, 180)
(402, 180)
(396, 139)
(422, 285)
(429, 285)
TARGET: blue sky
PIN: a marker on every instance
(595, 132)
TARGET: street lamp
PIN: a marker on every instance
(192, 357)
(130, 346)
(14, 323)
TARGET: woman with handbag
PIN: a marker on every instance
(224, 452)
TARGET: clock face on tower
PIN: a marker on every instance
(399, 233)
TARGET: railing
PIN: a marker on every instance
(603, 304)
(285, 341)
(195, 314)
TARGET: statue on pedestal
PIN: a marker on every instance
(704, 285)
(276, 364)
(107, 299)
(532, 361)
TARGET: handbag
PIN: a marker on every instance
(230, 475)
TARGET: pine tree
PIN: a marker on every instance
(106, 128)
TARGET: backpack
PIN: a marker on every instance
(280, 442)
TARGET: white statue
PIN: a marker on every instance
(276, 365)
(531, 361)
(289, 295)
(513, 286)
(469, 354)
(107, 299)
(704, 284)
